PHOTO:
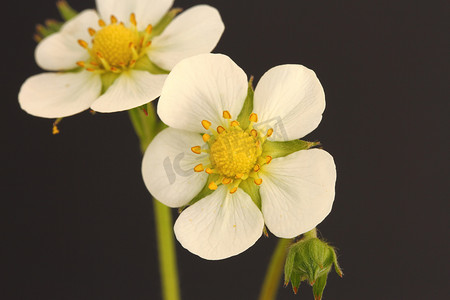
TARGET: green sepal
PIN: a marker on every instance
(50, 27)
(108, 79)
(164, 22)
(252, 190)
(65, 10)
(145, 64)
(319, 286)
(247, 108)
(281, 149)
(205, 191)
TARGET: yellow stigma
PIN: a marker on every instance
(115, 47)
(234, 152)
(114, 42)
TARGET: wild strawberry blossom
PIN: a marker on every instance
(118, 58)
(231, 158)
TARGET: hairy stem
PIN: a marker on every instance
(274, 271)
(146, 127)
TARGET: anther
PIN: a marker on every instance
(91, 31)
(133, 19)
(258, 181)
(239, 175)
(209, 171)
(233, 190)
(206, 137)
(268, 159)
(83, 44)
(226, 114)
(149, 28)
(198, 168)
(254, 133)
(220, 129)
(81, 64)
(234, 123)
(253, 117)
(256, 168)
(227, 180)
(113, 19)
(269, 132)
(212, 186)
(196, 149)
(101, 23)
(114, 69)
(206, 124)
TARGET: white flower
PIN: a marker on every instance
(110, 58)
(244, 173)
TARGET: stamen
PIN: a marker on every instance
(81, 64)
(101, 23)
(83, 44)
(209, 171)
(253, 117)
(133, 19)
(226, 114)
(113, 19)
(196, 149)
(206, 137)
(258, 181)
(234, 123)
(206, 124)
(91, 31)
(198, 168)
(220, 129)
(227, 180)
(212, 186)
(254, 133)
(268, 159)
(256, 168)
(233, 190)
(269, 132)
(239, 176)
(132, 63)
(103, 60)
(149, 28)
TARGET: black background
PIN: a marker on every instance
(78, 220)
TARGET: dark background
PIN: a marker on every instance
(78, 220)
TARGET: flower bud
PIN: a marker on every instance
(310, 259)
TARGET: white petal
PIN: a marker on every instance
(291, 100)
(55, 95)
(195, 31)
(297, 192)
(131, 89)
(146, 11)
(168, 167)
(61, 51)
(201, 88)
(220, 225)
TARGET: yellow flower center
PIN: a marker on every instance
(235, 154)
(115, 47)
(113, 42)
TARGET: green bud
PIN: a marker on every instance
(310, 259)
(52, 26)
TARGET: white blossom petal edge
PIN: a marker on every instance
(220, 225)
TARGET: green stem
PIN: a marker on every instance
(275, 270)
(146, 127)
